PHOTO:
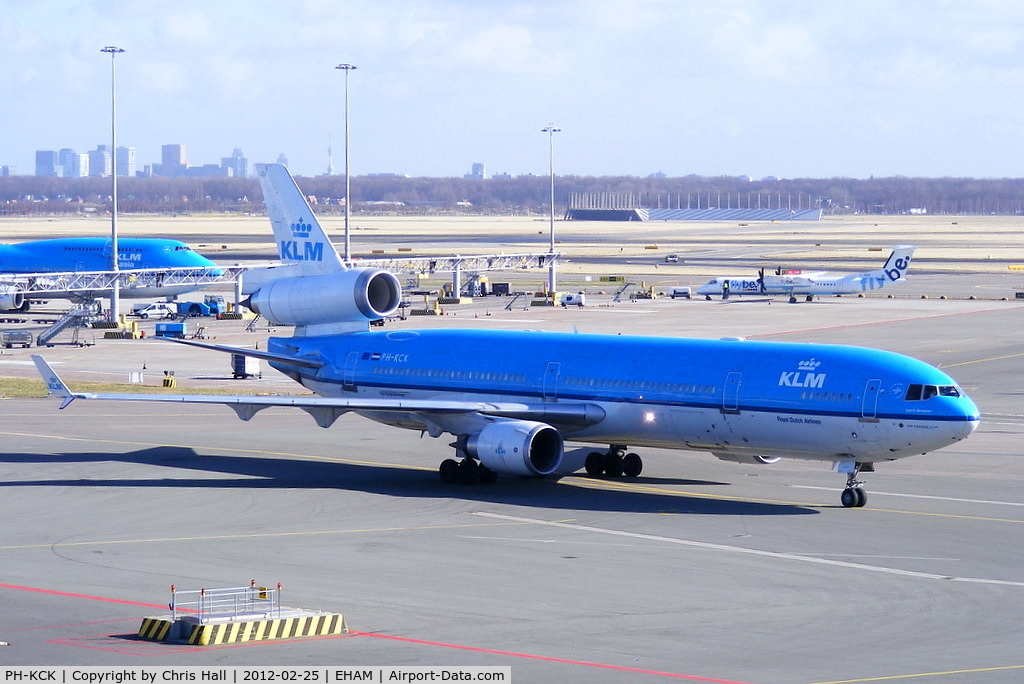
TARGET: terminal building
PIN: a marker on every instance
(614, 206)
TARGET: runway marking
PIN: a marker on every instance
(230, 450)
(651, 489)
(946, 673)
(926, 496)
(586, 481)
(66, 594)
(425, 642)
(548, 659)
(991, 358)
(904, 319)
(251, 535)
(778, 555)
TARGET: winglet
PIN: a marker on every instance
(53, 382)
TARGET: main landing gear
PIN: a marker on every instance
(467, 471)
(854, 496)
(614, 463)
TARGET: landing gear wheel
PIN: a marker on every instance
(594, 464)
(469, 472)
(449, 471)
(853, 497)
(810, 298)
(613, 465)
(486, 475)
(632, 465)
(792, 299)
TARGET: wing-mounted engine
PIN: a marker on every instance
(517, 447)
(344, 300)
(12, 298)
(756, 459)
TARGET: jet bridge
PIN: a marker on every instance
(457, 264)
(155, 282)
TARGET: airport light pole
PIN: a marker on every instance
(115, 293)
(551, 130)
(348, 185)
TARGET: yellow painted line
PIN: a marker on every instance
(986, 360)
(945, 673)
(612, 485)
(569, 479)
(230, 450)
(261, 535)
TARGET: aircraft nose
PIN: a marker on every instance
(971, 416)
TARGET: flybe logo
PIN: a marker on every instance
(301, 229)
(804, 376)
(310, 251)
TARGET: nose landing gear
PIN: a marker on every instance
(854, 496)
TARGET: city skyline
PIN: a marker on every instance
(734, 87)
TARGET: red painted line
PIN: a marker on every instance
(67, 594)
(905, 319)
(550, 659)
(408, 640)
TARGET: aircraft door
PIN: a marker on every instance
(869, 407)
(731, 393)
(348, 380)
(551, 373)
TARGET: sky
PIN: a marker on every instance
(784, 88)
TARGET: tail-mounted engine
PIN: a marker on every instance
(11, 298)
(349, 296)
(517, 447)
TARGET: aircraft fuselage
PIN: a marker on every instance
(735, 398)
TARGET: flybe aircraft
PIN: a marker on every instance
(811, 284)
(513, 409)
(25, 263)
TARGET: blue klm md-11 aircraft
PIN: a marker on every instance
(27, 263)
(512, 409)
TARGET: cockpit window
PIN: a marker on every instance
(923, 392)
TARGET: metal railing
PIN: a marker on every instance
(101, 281)
(226, 603)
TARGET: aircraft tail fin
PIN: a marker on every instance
(896, 265)
(53, 382)
(301, 241)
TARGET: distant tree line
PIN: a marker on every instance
(35, 195)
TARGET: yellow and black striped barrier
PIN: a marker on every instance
(155, 629)
(328, 624)
(242, 631)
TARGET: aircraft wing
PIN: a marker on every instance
(306, 362)
(325, 410)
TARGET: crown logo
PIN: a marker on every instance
(301, 229)
(808, 365)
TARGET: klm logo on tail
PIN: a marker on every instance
(309, 251)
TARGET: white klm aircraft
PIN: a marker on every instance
(512, 410)
(810, 284)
